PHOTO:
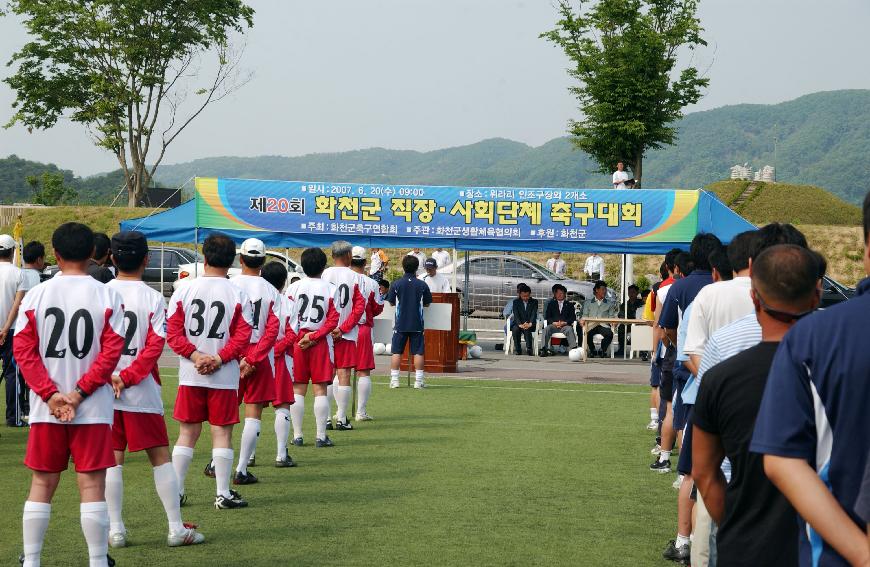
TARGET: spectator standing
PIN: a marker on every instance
(12, 290)
(620, 176)
(421, 260)
(594, 267)
(442, 257)
(438, 283)
(525, 319)
(628, 310)
(599, 307)
(560, 316)
(757, 525)
(556, 264)
(820, 372)
(379, 263)
(97, 265)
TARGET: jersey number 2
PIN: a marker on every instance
(197, 315)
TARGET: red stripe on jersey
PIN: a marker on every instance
(176, 334)
(329, 324)
(100, 372)
(359, 307)
(375, 309)
(240, 337)
(25, 348)
(258, 352)
(146, 362)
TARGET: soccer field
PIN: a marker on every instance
(463, 473)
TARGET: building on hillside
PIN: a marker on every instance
(766, 174)
(743, 172)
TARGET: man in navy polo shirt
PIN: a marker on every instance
(813, 427)
(409, 296)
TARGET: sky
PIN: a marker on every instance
(428, 74)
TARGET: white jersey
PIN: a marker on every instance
(11, 282)
(69, 332)
(214, 317)
(349, 300)
(437, 283)
(285, 309)
(371, 293)
(312, 300)
(442, 258)
(144, 337)
(264, 301)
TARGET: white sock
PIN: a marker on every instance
(418, 375)
(95, 526)
(297, 414)
(321, 412)
(181, 457)
(115, 498)
(330, 396)
(342, 400)
(363, 391)
(166, 484)
(654, 414)
(682, 540)
(282, 430)
(250, 434)
(394, 375)
(664, 456)
(35, 522)
(223, 468)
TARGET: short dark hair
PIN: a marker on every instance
(777, 233)
(670, 259)
(719, 261)
(276, 274)
(219, 250)
(358, 262)
(32, 252)
(785, 273)
(702, 246)
(598, 285)
(102, 244)
(253, 262)
(867, 218)
(410, 264)
(740, 250)
(632, 286)
(684, 263)
(7, 254)
(73, 241)
(384, 283)
(523, 288)
(823, 263)
(663, 271)
(558, 287)
(313, 261)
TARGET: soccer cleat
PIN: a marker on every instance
(325, 442)
(652, 425)
(656, 450)
(297, 442)
(234, 501)
(363, 417)
(679, 554)
(209, 469)
(343, 426)
(679, 482)
(252, 462)
(118, 539)
(182, 500)
(188, 536)
(394, 384)
(244, 478)
(661, 467)
(419, 385)
(329, 424)
(285, 463)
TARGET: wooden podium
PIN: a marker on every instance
(441, 337)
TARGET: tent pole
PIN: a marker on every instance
(465, 294)
(162, 264)
(196, 251)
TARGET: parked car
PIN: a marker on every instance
(188, 272)
(493, 282)
(833, 292)
(169, 261)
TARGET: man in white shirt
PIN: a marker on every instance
(420, 258)
(556, 264)
(594, 267)
(379, 263)
(437, 283)
(442, 257)
(12, 288)
(620, 176)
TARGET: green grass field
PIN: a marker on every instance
(463, 473)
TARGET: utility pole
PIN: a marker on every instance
(774, 152)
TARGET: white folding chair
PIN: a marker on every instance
(641, 339)
(509, 337)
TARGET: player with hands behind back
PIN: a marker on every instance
(68, 338)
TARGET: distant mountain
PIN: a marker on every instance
(96, 190)
(822, 139)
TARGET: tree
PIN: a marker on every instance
(624, 55)
(49, 189)
(123, 69)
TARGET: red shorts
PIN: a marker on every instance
(313, 364)
(137, 431)
(196, 404)
(283, 383)
(365, 354)
(345, 353)
(49, 446)
(259, 387)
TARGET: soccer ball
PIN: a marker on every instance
(576, 355)
(475, 352)
(380, 348)
(388, 349)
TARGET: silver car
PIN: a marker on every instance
(493, 282)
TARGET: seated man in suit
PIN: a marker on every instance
(599, 307)
(560, 317)
(525, 319)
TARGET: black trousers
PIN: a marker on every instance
(606, 334)
(16, 391)
(527, 333)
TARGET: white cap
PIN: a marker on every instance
(358, 253)
(6, 242)
(253, 247)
